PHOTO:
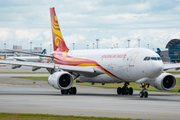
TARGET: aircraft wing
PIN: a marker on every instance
(172, 66)
(30, 53)
(31, 64)
(77, 69)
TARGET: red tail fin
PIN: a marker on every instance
(58, 41)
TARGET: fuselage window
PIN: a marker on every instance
(153, 58)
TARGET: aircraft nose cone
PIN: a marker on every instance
(157, 68)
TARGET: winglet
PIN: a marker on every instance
(58, 41)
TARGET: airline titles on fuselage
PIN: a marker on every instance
(114, 56)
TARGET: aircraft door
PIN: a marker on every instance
(132, 59)
(132, 65)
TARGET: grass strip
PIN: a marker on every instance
(173, 72)
(33, 78)
(135, 86)
(16, 116)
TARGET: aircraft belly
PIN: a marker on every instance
(103, 78)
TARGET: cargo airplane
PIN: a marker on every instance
(123, 65)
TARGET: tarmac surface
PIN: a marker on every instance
(22, 96)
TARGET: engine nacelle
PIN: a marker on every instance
(61, 80)
(165, 81)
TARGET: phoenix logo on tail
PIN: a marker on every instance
(58, 41)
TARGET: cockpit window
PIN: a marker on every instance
(158, 58)
(153, 58)
(146, 58)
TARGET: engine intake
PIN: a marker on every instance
(165, 81)
(61, 80)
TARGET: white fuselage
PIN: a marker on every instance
(127, 64)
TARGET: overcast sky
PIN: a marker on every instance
(154, 22)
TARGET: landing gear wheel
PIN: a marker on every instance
(74, 90)
(123, 91)
(130, 91)
(145, 94)
(66, 92)
(141, 94)
(119, 90)
(71, 91)
(126, 91)
(62, 92)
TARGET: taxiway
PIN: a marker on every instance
(22, 96)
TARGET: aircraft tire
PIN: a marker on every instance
(130, 91)
(145, 94)
(74, 90)
(71, 91)
(66, 92)
(126, 91)
(119, 90)
(141, 94)
(62, 92)
(123, 91)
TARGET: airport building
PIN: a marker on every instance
(5, 53)
(173, 47)
(171, 55)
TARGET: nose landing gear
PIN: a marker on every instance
(144, 93)
(125, 90)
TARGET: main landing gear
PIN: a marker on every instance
(144, 93)
(125, 90)
(71, 91)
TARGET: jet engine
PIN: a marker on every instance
(61, 80)
(165, 81)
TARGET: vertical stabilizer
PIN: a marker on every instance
(58, 41)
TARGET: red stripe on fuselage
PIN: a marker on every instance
(60, 59)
